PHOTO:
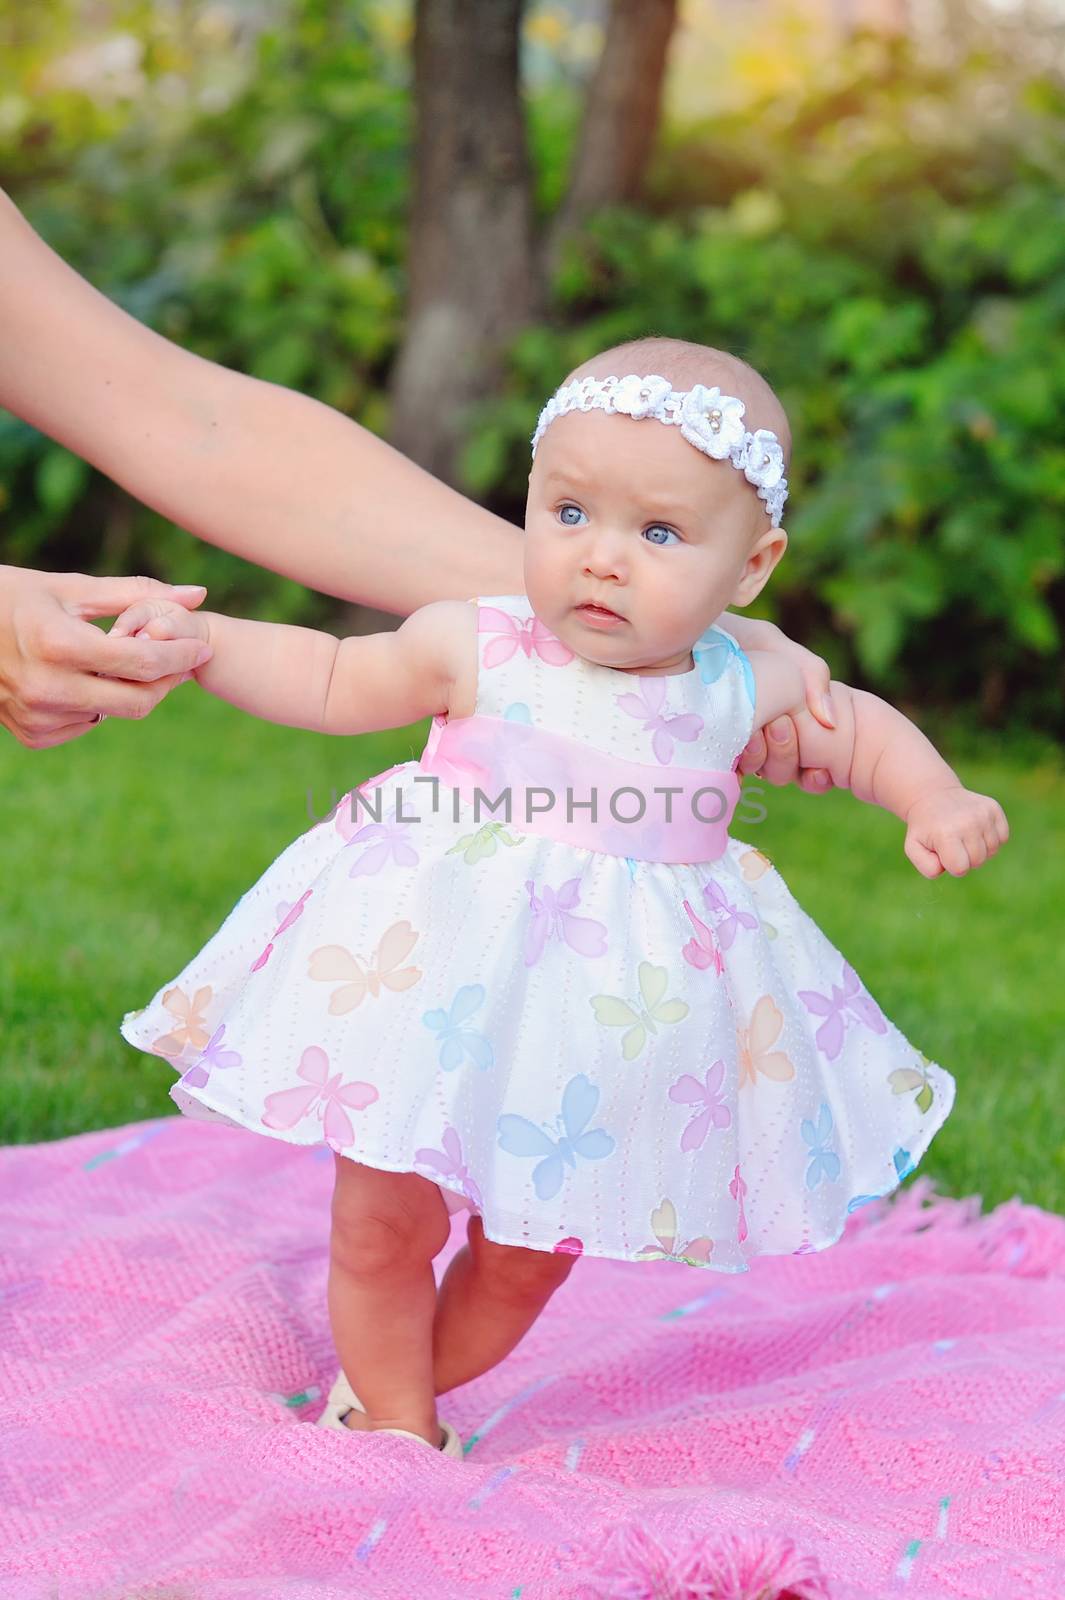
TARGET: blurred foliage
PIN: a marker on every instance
(884, 237)
(240, 188)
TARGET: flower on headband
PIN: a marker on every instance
(774, 500)
(763, 459)
(637, 397)
(711, 421)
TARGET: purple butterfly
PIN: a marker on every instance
(713, 1112)
(449, 1163)
(730, 917)
(649, 706)
(838, 1007)
(213, 1056)
(553, 918)
(381, 840)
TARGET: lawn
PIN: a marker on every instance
(124, 851)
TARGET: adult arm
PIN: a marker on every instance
(264, 472)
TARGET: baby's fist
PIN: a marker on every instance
(160, 619)
(953, 830)
(164, 619)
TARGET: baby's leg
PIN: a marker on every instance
(490, 1296)
(386, 1229)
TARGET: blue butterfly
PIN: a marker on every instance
(518, 711)
(457, 1042)
(520, 1137)
(824, 1163)
(712, 654)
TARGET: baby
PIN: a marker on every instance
(624, 995)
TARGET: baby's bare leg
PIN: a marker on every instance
(386, 1229)
(488, 1300)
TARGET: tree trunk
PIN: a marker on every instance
(620, 118)
(470, 260)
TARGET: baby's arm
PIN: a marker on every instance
(884, 759)
(307, 679)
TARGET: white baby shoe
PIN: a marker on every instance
(342, 1399)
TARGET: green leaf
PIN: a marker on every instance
(60, 479)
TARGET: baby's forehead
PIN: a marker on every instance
(694, 364)
(599, 454)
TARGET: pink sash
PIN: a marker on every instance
(552, 784)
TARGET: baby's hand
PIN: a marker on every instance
(953, 830)
(161, 619)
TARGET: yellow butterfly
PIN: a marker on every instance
(639, 1020)
(664, 1227)
(475, 846)
(754, 1043)
(331, 963)
(904, 1078)
(191, 1027)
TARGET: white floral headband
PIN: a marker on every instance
(708, 419)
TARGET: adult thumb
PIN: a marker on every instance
(85, 595)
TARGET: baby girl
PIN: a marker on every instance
(599, 1022)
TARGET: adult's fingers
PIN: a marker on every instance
(85, 595)
(779, 764)
(76, 646)
(815, 681)
(782, 752)
(63, 735)
(815, 780)
(754, 753)
(131, 700)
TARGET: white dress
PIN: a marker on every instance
(600, 1053)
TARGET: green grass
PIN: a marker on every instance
(124, 851)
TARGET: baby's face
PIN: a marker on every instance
(625, 514)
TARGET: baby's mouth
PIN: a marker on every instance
(592, 609)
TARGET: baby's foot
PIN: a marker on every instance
(360, 1422)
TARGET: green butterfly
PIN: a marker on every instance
(904, 1078)
(639, 1020)
(475, 846)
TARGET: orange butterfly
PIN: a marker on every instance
(754, 1043)
(753, 863)
(331, 963)
(191, 1027)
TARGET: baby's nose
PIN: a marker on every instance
(604, 555)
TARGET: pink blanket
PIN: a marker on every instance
(884, 1419)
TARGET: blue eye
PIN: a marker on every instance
(569, 507)
(656, 527)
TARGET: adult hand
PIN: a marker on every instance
(58, 672)
(772, 752)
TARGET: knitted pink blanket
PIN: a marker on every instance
(884, 1419)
